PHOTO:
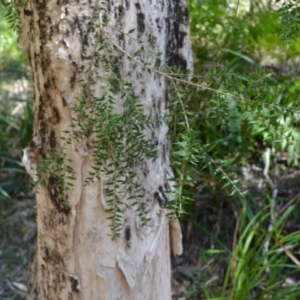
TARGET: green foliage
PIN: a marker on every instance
(251, 104)
(254, 270)
(289, 15)
(236, 107)
(13, 8)
(15, 134)
(13, 64)
(118, 143)
(15, 131)
(256, 263)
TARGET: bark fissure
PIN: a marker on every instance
(76, 233)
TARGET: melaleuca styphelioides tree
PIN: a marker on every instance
(99, 157)
(108, 78)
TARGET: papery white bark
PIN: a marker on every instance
(75, 257)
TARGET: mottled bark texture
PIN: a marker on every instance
(75, 258)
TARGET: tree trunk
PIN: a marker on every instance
(75, 257)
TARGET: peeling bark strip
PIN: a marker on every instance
(75, 257)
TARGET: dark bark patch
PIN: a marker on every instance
(36, 293)
(159, 26)
(47, 114)
(56, 195)
(160, 197)
(166, 97)
(43, 128)
(139, 75)
(151, 39)
(52, 140)
(145, 169)
(177, 19)
(56, 258)
(159, 105)
(85, 40)
(47, 85)
(121, 10)
(55, 116)
(167, 187)
(176, 60)
(140, 20)
(73, 80)
(116, 64)
(157, 198)
(27, 12)
(32, 145)
(154, 139)
(42, 153)
(91, 29)
(63, 42)
(64, 101)
(52, 257)
(62, 2)
(47, 254)
(140, 23)
(74, 284)
(45, 63)
(74, 24)
(127, 236)
(164, 153)
(181, 12)
(105, 18)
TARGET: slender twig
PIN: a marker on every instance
(202, 86)
(287, 252)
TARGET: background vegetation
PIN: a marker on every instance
(239, 155)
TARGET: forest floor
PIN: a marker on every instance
(194, 268)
